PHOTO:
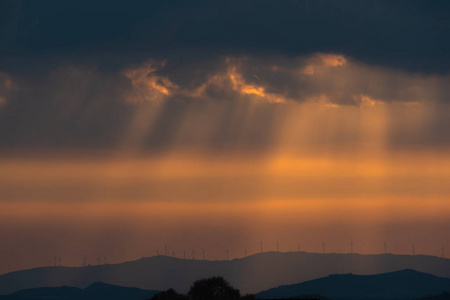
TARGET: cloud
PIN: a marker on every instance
(225, 103)
(146, 86)
(411, 35)
(275, 79)
(320, 61)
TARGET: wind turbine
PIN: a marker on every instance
(203, 250)
(245, 252)
(165, 250)
(157, 251)
(351, 247)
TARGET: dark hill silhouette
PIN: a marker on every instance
(405, 284)
(443, 296)
(97, 291)
(63, 292)
(251, 274)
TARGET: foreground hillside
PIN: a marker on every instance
(399, 285)
(251, 274)
(405, 284)
(96, 291)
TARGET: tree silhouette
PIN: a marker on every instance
(170, 294)
(214, 288)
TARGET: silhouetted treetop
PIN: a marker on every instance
(170, 294)
(214, 288)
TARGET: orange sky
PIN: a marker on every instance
(263, 167)
(124, 208)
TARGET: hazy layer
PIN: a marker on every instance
(126, 208)
(235, 151)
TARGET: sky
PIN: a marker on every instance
(215, 125)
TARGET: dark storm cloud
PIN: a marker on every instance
(77, 74)
(412, 35)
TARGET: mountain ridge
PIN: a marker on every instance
(250, 274)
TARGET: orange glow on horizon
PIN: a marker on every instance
(302, 211)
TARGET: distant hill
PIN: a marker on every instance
(405, 284)
(251, 274)
(97, 291)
